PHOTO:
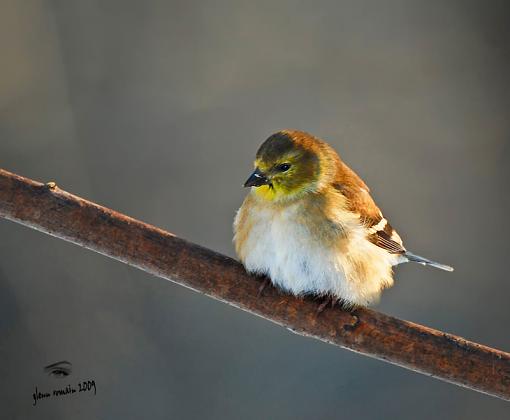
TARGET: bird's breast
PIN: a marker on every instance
(286, 246)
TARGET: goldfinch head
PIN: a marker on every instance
(289, 164)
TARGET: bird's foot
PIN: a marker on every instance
(264, 284)
(328, 300)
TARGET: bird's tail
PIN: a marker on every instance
(424, 261)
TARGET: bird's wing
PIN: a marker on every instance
(390, 242)
(379, 231)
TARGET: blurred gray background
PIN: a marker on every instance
(156, 109)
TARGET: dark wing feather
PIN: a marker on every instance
(383, 240)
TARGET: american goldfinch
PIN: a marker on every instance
(311, 226)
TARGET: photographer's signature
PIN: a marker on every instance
(61, 370)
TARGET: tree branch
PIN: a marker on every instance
(51, 210)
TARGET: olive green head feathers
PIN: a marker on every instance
(290, 163)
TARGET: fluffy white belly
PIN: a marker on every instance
(294, 260)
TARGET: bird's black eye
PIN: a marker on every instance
(283, 167)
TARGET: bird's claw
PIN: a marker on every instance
(264, 284)
(327, 300)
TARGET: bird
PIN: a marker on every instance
(310, 226)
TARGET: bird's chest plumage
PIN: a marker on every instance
(275, 241)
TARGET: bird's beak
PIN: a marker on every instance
(256, 179)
